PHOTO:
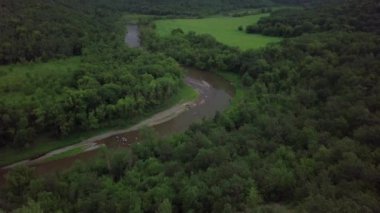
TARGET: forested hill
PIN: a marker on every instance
(54, 98)
(337, 16)
(194, 7)
(40, 30)
(201, 7)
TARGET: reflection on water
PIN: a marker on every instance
(132, 38)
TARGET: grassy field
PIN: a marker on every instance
(223, 28)
(21, 79)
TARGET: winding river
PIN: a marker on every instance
(215, 95)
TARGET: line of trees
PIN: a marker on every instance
(342, 16)
(198, 8)
(190, 8)
(199, 51)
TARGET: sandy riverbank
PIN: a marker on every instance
(90, 143)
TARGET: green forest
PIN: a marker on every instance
(107, 81)
(301, 134)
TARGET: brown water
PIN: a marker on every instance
(215, 95)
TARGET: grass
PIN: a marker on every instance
(240, 90)
(223, 28)
(46, 144)
(22, 77)
(186, 93)
(53, 66)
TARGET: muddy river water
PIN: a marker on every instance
(215, 95)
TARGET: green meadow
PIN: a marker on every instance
(22, 79)
(223, 28)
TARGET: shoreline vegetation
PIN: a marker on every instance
(46, 148)
(12, 157)
(300, 133)
(48, 78)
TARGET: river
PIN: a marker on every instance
(215, 95)
(132, 38)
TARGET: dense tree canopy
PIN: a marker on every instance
(303, 137)
(200, 51)
(30, 30)
(201, 7)
(190, 8)
(40, 30)
(342, 16)
(109, 81)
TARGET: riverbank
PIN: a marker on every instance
(47, 147)
(235, 81)
(90, 144)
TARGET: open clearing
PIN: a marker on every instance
(224, 29)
